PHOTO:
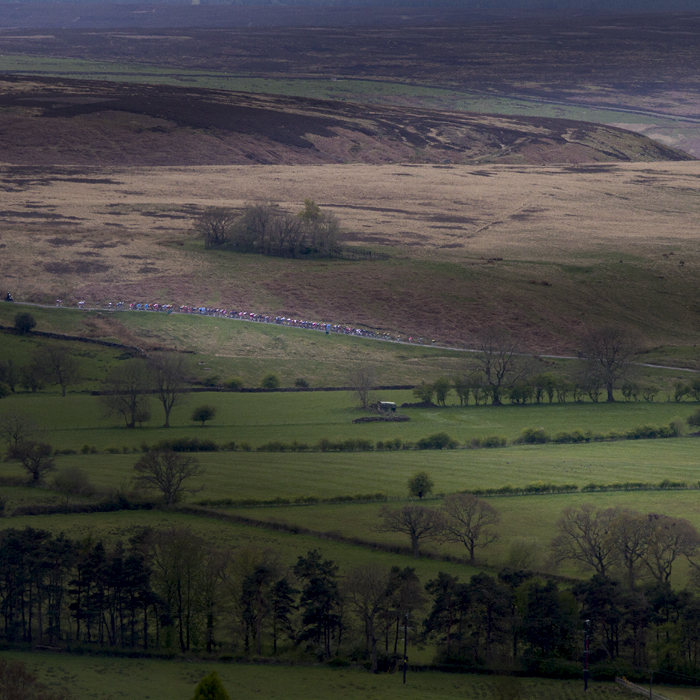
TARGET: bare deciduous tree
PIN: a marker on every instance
(418, 522)
(667, 539)
(362, 378)
(367, 590)
(124, 391)
(629, 532)
(215, 225)
(168, 374)
(15, 428)
(35, 457)
(167, 471)
(469, 521)
(60, 367)
(584, 537)
(499, 360)
(610, 350)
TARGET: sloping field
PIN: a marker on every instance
(545, 251)
(54, 121)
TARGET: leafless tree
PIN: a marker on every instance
(323, 233)
(35, 457)
(362, 378)
(124, 391)
(215, 225)
(367, 589)
(499, 359)
(168, 375)
(255, 227)
(610, 349)
(584, 537)
(60, 367)
(667, 539)
(469, 520)
(629, 531)
(16, 428)
(286, 235)
(167, 471)
(418, 522)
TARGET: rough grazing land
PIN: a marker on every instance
(64, 122)
(545, 251)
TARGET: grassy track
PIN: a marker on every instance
(139, 679)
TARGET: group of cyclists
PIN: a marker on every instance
(250, 316)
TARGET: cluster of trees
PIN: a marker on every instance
(501, 370)
(50, 364)
(268, 230)
(173, 590)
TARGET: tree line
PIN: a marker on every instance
(268, 230)
(172, 590)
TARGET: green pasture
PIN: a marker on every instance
(522, 516)
(105, 678)
(350, 90)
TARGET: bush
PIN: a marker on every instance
(438, 441)
(185, 444)
(73, 481)
(533, 436)
(235, 383)
(270, 381)
(24, 323)
(694, 419)
(4, 390)
(301, 383)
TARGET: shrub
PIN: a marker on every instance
(73, 481)
(270, 381)
(185, 444)
(694, 419)
(438, 441)
(3, 505)
(24, 323)
(533, 436)
(211, 380)
(235, 383)
(301, 383)
(244, 447)
(4, 390)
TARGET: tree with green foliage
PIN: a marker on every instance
(420, 484)
(424, 392)
(694, 419)
(210, 688)
(24, 323)
(442, 388)
(270, 381)
(203, 413)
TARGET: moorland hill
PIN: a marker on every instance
(53, 121)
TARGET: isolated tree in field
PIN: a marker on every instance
(60, 367)
(203, 414)
(499, 360)
(584, 537)
(610, 350)
(167, 471)
(36, 459)
(215, 226)
(124, 391)
(361, 379)
(168, 374)
(418, 522)
(210, 688)
(24, 323)
(15, 428)
(469, 520)
(367, 590)
(420, 484)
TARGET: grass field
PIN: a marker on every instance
(104, 678)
